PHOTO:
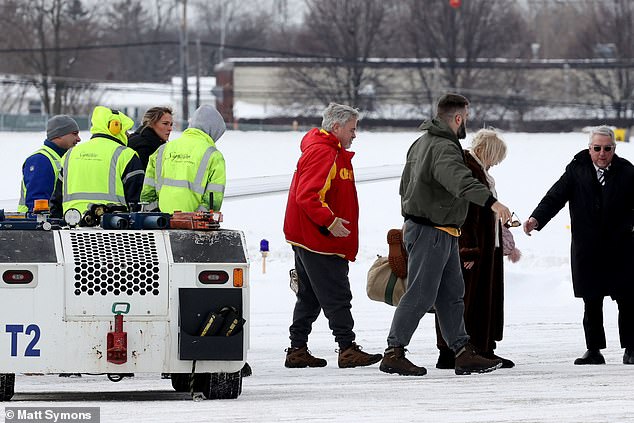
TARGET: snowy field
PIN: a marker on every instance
(543, 331)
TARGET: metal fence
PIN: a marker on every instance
(37, 123)
(33, 123)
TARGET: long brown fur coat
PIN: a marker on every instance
(484, 282)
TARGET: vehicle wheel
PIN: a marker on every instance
(7, 385)
(180, 382)
(246, 370)
(223, 385)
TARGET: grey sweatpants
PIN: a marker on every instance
(434, 279)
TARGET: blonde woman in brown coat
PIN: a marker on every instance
(481, 252)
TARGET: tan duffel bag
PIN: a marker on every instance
(383, 285)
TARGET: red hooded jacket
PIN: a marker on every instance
(322, 189)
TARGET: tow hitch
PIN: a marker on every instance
(117, 341)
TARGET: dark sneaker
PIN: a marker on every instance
(591, 357)
(394, 361)
(354, 357)
(446, 359)
(506, 363)
(628, 356)
(397, 256)
(469, 361)
(300, 357)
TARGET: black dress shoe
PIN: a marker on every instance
(628, 356)
(591, 357)
(446, 359)
(506, 363)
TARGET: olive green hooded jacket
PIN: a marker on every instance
(436, 185)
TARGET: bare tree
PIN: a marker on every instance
(14, 93)
(607, 34)
(128, 22)
(234, 30)
(347, 34)
(551, 21)
(48, 30)
(139, 22)
(456, 38)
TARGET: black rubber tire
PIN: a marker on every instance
(7, 386)
(180, 382)
(223, 385)
(246, 370)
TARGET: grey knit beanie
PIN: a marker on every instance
(60, 125)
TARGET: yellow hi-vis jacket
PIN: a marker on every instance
(93, 171)
(54, 158)
(183, 173)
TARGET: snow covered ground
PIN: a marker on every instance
(543, 331)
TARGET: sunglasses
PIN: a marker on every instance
(606, 148)
(513, 222)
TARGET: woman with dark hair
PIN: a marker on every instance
(153, 132)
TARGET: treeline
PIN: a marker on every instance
(65, 45)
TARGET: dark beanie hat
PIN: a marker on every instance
(60, 125)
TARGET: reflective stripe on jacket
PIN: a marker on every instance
(94, 173)
(183, 173)
(54, 158)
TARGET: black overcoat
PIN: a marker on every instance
(601, 222)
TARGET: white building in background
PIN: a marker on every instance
(134, 99)
(21, 98)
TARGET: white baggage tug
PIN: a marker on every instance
(124, 301)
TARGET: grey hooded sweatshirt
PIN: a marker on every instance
(208, 119)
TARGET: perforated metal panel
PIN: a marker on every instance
(117, 262)
(104, 267)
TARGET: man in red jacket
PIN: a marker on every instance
(322, 225)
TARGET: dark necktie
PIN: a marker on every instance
(601, 176)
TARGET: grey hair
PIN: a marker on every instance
(602, 130)
(338, 113)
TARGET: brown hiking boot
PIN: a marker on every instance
(300, 357)
(397, 256)
(394, 361)
(468, 361)
(354, 357)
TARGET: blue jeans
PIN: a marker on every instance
(434, 279)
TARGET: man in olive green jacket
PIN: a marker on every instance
(436, 188)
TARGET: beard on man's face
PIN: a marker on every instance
(462, 131)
